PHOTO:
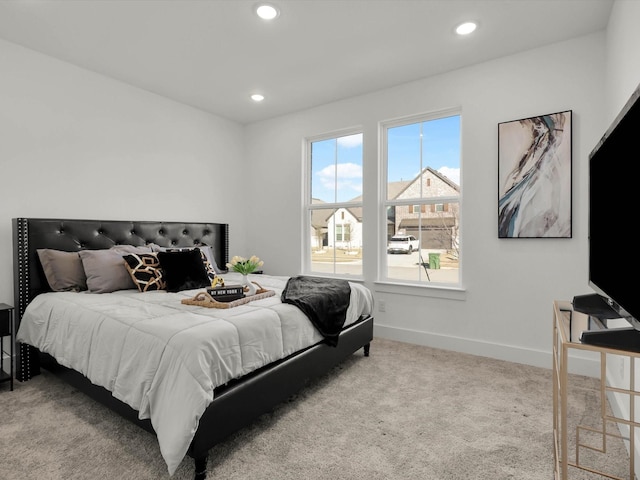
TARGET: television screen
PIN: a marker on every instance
(614, 205)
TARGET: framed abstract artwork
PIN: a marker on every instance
(534, 177)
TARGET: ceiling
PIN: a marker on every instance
(212, 54)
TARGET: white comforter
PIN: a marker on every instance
(164, 358)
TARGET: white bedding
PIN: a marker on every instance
(164, 358)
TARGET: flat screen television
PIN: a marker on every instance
(614, 207)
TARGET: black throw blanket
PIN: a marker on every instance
(323, 300)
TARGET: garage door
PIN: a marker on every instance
(439, 238)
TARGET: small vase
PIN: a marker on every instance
(249, 287)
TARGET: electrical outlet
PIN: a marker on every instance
(382, 306)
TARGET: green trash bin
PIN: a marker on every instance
(434, 261)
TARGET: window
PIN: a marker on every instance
(343, 233)
(421, 198)
(333, 207)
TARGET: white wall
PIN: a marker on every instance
(623, 59)
(75, 144)
(510, 283)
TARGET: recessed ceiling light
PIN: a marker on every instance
(465, 28)
(256, 97)
(266, 11)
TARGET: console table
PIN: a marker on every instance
(567, 328)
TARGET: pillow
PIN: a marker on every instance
(208, 266)
(205, 249)
(63, 270)
(208, 252)
(183, 270)
(105, 269)
(145, 271)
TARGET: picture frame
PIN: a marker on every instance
(535, 177)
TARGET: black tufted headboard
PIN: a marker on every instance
(30, 234)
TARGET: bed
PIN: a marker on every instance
(255, 376)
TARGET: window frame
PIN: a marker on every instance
(429, 203)
(309, 206)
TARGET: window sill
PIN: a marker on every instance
(434, 291)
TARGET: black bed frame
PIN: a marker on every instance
(235, 405)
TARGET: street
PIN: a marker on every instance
(399, 267)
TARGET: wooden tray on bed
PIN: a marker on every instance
(203, 299)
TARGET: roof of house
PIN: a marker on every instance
(318, 217)
(437, 174)
(396, 188)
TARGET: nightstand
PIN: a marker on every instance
(6, 330)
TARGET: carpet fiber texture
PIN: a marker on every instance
(405, 412)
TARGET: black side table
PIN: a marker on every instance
(6, 330)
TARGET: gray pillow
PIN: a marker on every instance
(105, 269)
(63, 270)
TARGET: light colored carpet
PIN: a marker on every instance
(405, 412)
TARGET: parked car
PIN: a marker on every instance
(402, 244)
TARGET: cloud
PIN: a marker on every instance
(350, 141)
(349, 177)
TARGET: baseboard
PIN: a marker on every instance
(510, 353)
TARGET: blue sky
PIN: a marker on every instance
(440, 147)
(343, 156)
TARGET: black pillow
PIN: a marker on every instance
(183, 270)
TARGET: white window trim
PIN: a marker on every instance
(382, 282)
(307, 205)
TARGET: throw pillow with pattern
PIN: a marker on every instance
(145, 271)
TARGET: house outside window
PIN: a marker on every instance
(421, 169)
(333, 206)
